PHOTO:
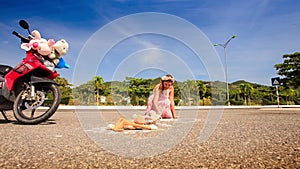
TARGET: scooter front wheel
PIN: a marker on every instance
(39, 108)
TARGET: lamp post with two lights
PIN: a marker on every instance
(226, 66)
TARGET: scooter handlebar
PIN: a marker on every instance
(23, 39)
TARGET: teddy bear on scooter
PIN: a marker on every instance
(59, 49)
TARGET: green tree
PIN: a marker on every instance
(217, 91)
(202, 90)
(65, 89)
(85, 93)
(189, 92)
(139, 90)
(99, 87)
(235, 96)
(291, 95)
(119, 92)
(246, 90)
(290, 69)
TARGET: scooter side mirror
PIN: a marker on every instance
(24, 24)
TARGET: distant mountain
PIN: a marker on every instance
(239, 82)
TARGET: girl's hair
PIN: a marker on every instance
(166, 78)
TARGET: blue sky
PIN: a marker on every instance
(265, 29)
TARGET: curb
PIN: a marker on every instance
(177, 107)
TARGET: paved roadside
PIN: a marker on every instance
(244, 138)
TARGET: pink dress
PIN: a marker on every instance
(163, 104)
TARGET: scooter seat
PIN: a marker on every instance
(4, 69)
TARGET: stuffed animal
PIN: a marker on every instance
(59, 49)
(139, 122)
(123, 123)
(41, 45)
(149, 118)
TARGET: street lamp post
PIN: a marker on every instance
(226, 66)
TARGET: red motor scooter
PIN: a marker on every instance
(29, 88)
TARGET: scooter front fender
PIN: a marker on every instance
(34, 80)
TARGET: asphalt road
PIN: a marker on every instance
(242, 138)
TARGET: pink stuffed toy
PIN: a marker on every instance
(41, 45)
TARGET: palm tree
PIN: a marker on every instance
(246, 90)
(291, 95)
(202, 90)
(190, 91)
(99, 86)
